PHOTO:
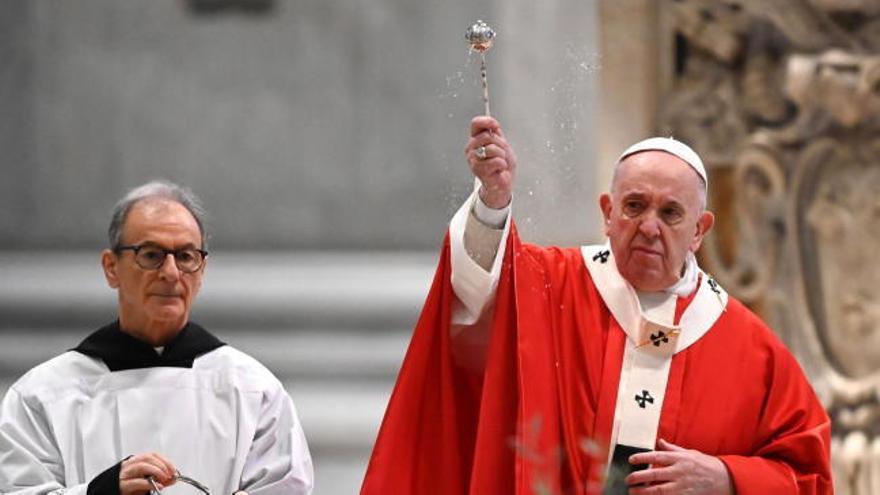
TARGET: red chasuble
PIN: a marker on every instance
(537, 419)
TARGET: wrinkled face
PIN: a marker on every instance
(154, 304)
(654, 217)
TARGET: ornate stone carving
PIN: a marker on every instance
(782, 99)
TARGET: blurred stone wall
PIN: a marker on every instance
(312, 124)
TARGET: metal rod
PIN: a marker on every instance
(179, 477)
(485, 78)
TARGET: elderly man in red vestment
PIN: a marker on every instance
(615, 368)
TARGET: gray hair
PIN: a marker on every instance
(157, 189)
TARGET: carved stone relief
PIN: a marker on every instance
(782, 99)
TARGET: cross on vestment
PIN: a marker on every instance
(645, 397)
(714, 286)
(717, 290)
(602, 256)
(656, 339)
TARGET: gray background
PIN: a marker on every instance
(317, 124)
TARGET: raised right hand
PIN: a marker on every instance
(136, 469)
(497, 170)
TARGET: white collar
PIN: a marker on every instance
(623, 301)
(688, 282)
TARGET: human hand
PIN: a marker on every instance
(496, 167)
(136, 469)
(679, 471)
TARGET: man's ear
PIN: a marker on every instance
(605, 206)
(704, 225)
(109, 262)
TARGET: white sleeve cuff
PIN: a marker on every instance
(474, 287)
(490, 216)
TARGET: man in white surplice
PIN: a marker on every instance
(152, 399)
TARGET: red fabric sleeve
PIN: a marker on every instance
(453, 430)
(448, 428)
(794, 434)
(425, 443)
(758, 475)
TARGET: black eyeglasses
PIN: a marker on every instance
(152, 257)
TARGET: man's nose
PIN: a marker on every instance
(169, 270)
(650, 227)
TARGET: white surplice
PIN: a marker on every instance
(226, 422)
